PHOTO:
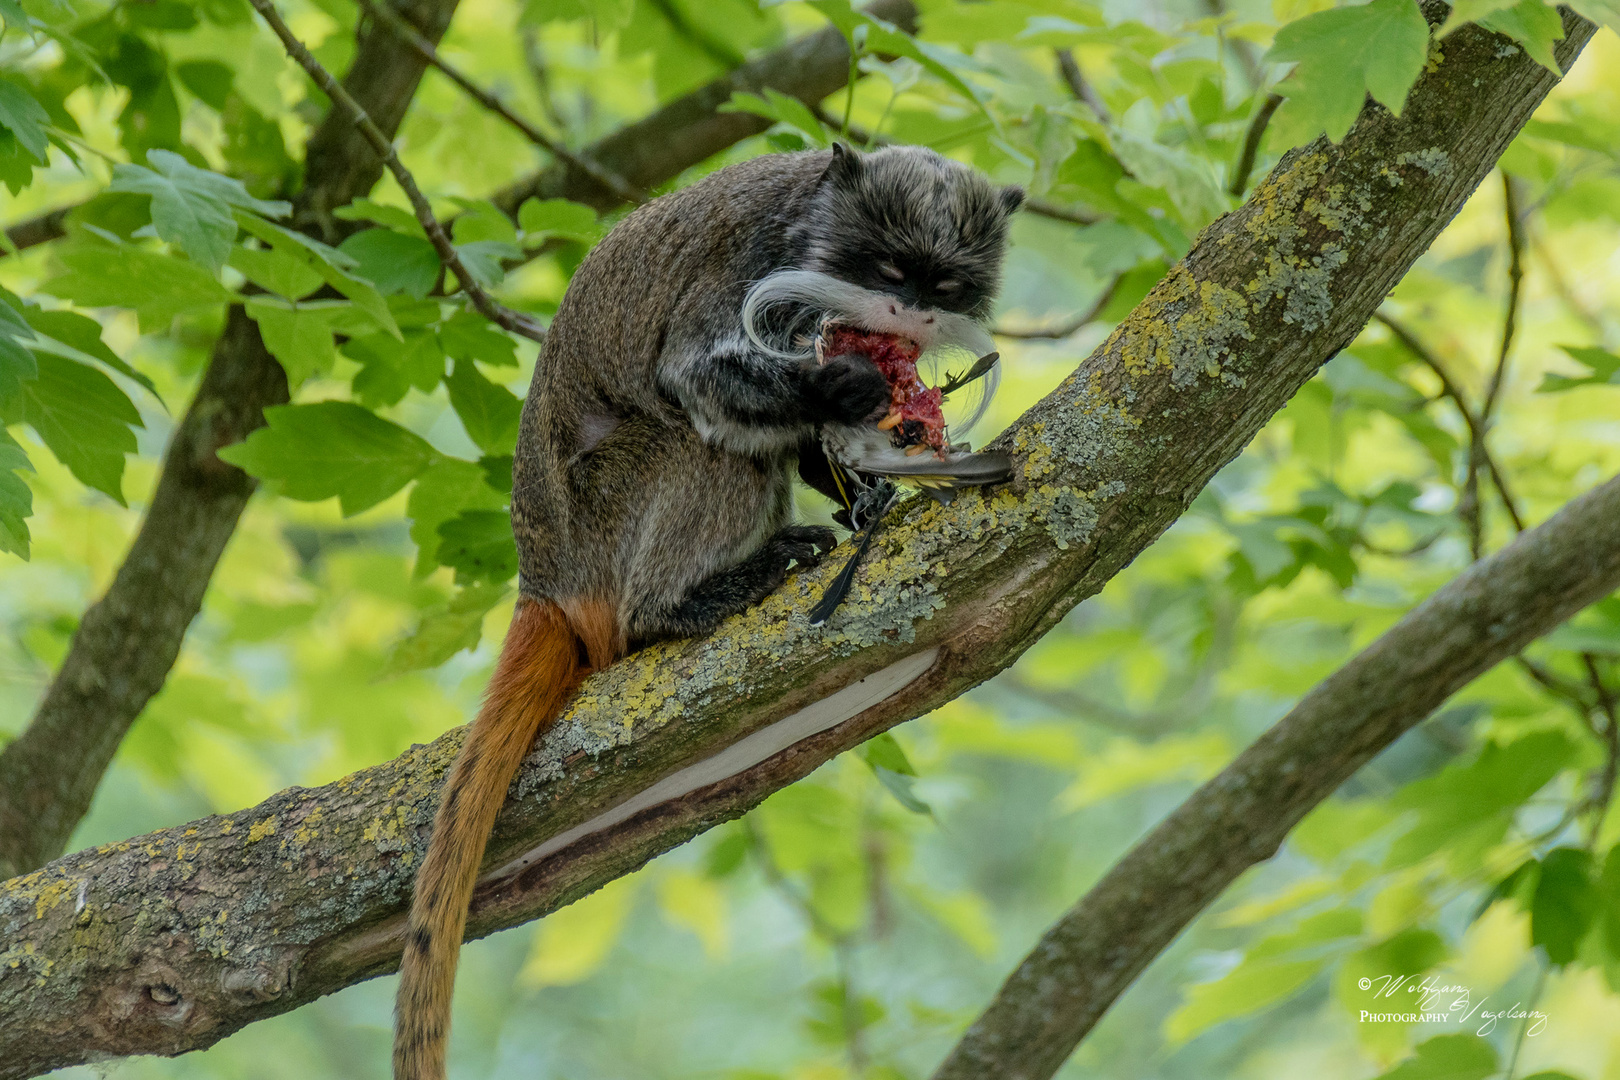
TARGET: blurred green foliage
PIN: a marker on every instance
(856, 921)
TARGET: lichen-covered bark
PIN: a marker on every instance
(170, 941)
(1490, 612)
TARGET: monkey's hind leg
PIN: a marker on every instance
(736, 588)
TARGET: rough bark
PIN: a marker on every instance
(1240, 818)
(129, 639)
(170, 941)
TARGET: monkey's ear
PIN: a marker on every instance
(1011, 198)
(846, 166)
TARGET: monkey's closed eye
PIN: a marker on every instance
(947, 285)
(891, 271)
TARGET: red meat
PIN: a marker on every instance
(914, 416)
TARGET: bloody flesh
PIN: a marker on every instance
(917, 407)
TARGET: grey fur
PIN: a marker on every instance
(657, 444)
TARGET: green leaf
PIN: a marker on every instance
(481, 220)
(1532, 24)
(467, 335)
(158, 287)
(1477, 795)
(489, 412)
(1467, 11)
(558, 217)
(497, 469)
(1464, 1056)
(17, 365)
(1602, 12)
(485, 260)
(331, 264)
(192, 207)
(16, 500)
(1273, 969)
(445, 630)
(83, 335)
(391, 217)
(85, 419)
(210, 80)
(1565, 904)
(783, 109)
(299, 336)
(389, 369)
(393, 261)
(884, 751)
(1346, 53)
(276, 270)
(479, 545)
(25, 118)
(1604, 365)
(445, 489)
(885, 38)
(333, 448)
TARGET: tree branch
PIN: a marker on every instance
(691, 129)
(122, 949)
(383, 147)
(1487, 614)
(1075, 79)
(1065, 329)
(1476, 429)
(128, 640)
(1251, 144)
(424, 48)
(41, 229)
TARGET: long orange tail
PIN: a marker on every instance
(540, 667)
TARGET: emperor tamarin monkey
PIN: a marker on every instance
(651, 488)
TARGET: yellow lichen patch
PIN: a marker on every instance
(261, 829)
(52, 895)
(1184, 325)
(307, 829)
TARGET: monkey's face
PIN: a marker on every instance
(919, 227)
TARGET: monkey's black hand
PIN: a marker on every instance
(847, 389)
(803, 544)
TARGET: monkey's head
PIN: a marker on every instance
(905, 221)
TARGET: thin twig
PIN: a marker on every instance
(1450, 389)
(1070, 214)
(1064, 330)
(1515, 239)
(534, 56)
(1609, 708)
(1561, 286)
(1069, 71)
(1518, 1043)
(1251, 145)
(841, 943)
(424, 48)
(486, 305)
